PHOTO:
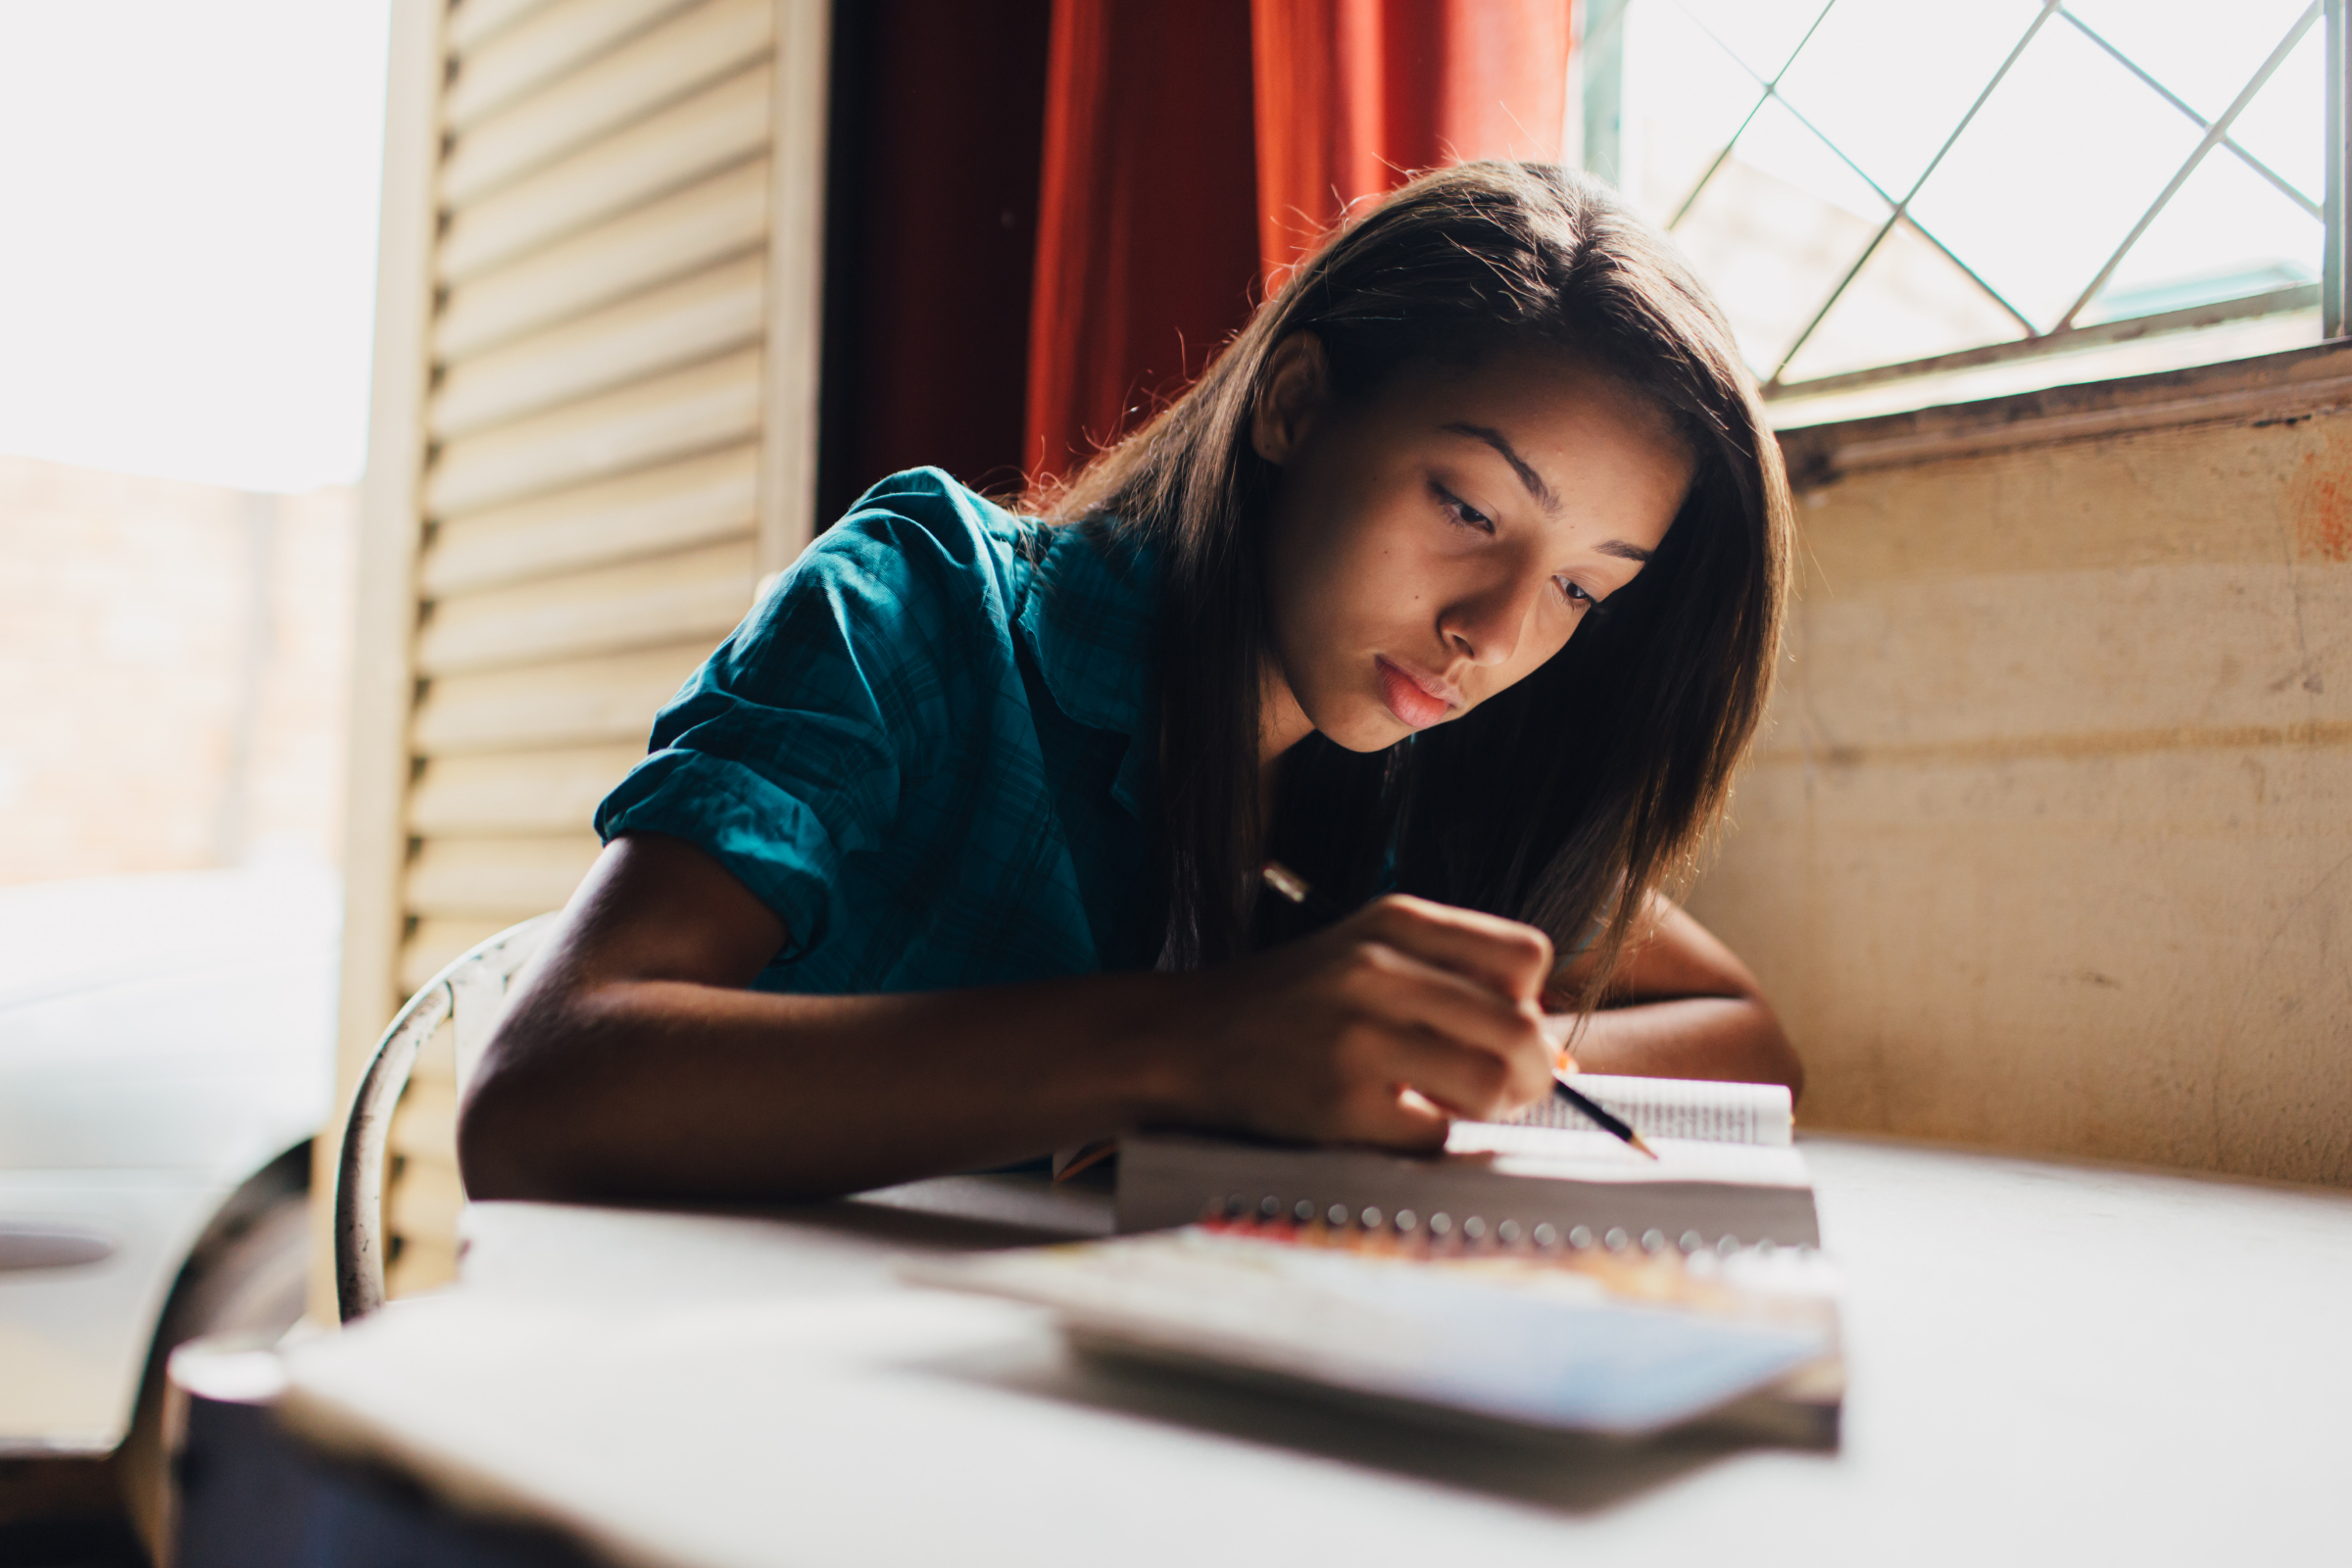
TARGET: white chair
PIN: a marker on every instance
(468, 995)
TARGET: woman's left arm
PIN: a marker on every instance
(1683, 1006)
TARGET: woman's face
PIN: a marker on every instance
(1437, 543)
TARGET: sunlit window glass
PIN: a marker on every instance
(1876, 186)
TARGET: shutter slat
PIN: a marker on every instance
(423, 1201)
(695, 593)
(652, 512)
(529, 791)
(438, 1061)
(724, 125)
(420, 1265)
(511, 60)
(574, 703)
(473, 23)
(704, 316)
(503, 879)
(721, 216)
(432, 946)
(685, 412)
(647, 73)
(424, 1124)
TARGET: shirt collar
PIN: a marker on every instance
(1089, 617)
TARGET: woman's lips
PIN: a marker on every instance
(1415, 703)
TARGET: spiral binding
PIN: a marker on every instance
(1304, 1218)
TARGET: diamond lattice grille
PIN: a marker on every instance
(1876, 182)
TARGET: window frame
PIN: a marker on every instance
(1596, 101)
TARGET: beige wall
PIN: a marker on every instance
(2049, 845)
(172, 665)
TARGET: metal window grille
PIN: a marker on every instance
(1891, 162)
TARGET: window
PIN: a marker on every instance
(1907, 201)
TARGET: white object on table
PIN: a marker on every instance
(2048, 1364)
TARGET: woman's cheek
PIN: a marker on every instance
(1557, 631)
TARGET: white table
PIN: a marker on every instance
(2049, 1364)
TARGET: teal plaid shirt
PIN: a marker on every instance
(928, 751)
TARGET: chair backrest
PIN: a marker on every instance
(468, 995)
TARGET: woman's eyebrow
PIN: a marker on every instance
(1528, 476)
(1618, 547)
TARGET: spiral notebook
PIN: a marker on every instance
(1538, 1272)
(1727, 1175)
(1623, 1343)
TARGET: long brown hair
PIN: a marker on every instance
(1563, 800)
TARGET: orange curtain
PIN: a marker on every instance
(1193, 149)
(1147, 244)
(1353, 95)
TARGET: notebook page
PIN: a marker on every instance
(1589, 1155)
(1677, 1107)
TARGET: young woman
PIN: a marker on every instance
(1455, 584)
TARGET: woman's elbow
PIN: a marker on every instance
(504, 1145)
(1791, 1071)
(1776, 1058)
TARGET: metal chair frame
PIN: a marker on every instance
(470, 993)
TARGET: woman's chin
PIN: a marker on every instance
(1375, 731)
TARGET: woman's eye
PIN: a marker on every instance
(1462, 511)
(1575, 594)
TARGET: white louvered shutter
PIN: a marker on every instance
(601, 326)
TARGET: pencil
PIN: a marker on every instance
(1609, 1120)
(1294, 887)
(1087, 1158)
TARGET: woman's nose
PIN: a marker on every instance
(1488, 624)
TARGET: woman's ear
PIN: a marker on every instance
(1298, 383)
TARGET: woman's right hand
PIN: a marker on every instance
(1379, 1030)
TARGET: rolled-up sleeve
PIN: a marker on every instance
(790, 749)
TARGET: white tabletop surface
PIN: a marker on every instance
(2048, 1364)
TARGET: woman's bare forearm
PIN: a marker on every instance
(1681, 1005)
(672, 1089)
(653, 1089)
(1733, 1038)
(634, 1063)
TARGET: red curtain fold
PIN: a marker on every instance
(1147, 243)
(1354, 95)
(939, 107)
(1192, 150)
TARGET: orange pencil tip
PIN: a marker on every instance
(1086, 1159)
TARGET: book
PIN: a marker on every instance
(1678, 1107)
(1625, 1343)
(1728, 1175)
